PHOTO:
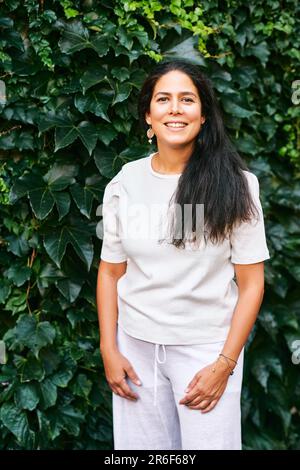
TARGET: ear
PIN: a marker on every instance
(203, 119)
(148, 119)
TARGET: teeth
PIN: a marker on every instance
(175, 124)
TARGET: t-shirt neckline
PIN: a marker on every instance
(160, 175)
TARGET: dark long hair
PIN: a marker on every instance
(213, 175)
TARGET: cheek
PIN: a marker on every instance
(157, 112)
(195, 116)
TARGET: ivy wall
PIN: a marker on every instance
(69, 81)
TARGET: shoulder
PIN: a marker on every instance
(250, 176)
(134, 169)
(252, 180)
(128, 174)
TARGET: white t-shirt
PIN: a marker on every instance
(169, 295)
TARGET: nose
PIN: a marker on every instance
(174, 106)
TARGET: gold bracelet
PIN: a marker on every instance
(231, 370)
(214, 368)
(228, 358)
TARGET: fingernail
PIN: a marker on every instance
(138, 382)
(187, 390)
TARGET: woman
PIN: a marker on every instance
(166, 276)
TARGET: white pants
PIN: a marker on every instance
(156, 420)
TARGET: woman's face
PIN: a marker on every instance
(175, 98)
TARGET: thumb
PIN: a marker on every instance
(132, 375)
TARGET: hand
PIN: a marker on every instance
(207, 387)
(116, 367)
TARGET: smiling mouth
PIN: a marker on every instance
(181, 125)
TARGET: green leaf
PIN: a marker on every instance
(48, 393)
(84, 195)
(41, 190)
(5, 291)
(236, 110)
(26, 396)
(75, 38)
(244, 76)
(96, 102)
(121, 73)
(279, 403)
(56, 241)
(16, 421)
(247, 144)
(32, 369)
(16, 303)
(34, 335)
(82, 386)
(106, 161)
(134, 153)
(106, 133)
(60, 176)
(122, 91)
(62, 377)
(63, 203)
(18, 274)
(67, 134)
(67, 418)
(18, 245)
(17, 140)
(100, 44)
(74, 277)
(268, 320)
(125, 39)
(92, 77)
(261, 51)
(27, 182)
(265, 362)
(69, 288)
(187, 48)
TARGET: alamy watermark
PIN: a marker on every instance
(141, 221)
(2, 353)
(296, 352)
(296, 93)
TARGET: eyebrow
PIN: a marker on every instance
(180, 93)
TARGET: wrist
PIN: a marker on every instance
(227, 363)
(229, 357)
(108, 348)
(221, 365)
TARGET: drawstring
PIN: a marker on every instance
(156, 360)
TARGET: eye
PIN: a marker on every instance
(165, 97)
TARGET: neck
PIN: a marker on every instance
(172, 160)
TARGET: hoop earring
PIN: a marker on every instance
(150, 134)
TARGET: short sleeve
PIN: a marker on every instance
(112, 249)
(248, 239)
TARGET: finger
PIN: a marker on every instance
(114, 390)
(133, 375)
(118, 391)
(127, 390)
(196, 400)
(192, 395)
(121, 393)
(192, 383)
(210, 407)
(199, 404)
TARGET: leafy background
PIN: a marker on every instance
(70, 77)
